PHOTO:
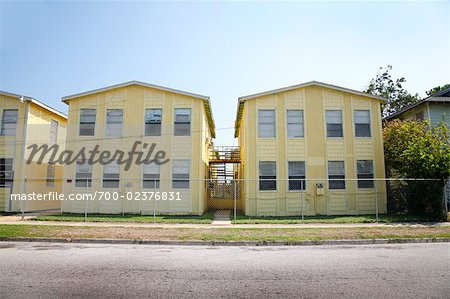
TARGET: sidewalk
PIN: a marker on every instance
(14, 219)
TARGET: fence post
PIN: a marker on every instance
(301, 197)
(86, 201)
(235, 195)
(22, 205)
(154, 201)
(376, 200)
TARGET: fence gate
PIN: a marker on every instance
(223, 188)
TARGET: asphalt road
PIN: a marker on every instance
(41, 270)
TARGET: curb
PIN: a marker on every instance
(225, 243)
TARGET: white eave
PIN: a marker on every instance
(34, 101)
(311, 83)
(206, 100)
(242, 99)
(67, 98)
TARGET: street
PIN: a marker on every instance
(48, 270)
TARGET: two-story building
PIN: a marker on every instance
(435, 109)
(26, 121)
(313, 149)
(178, 123)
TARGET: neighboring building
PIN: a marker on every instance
(25, 121)
(178, 122)
(435, 109)
(299, 143)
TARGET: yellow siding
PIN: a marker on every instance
(315, 149)
(33, 127)
(134, 100)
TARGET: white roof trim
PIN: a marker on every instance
(66, 98)
(34, 101)
(316, 83)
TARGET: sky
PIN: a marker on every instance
(223, 50)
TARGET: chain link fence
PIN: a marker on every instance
(294, 198)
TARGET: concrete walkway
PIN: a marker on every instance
(222, 217)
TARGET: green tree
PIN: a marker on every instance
(413, 149)
(437, 89)
(392, 90)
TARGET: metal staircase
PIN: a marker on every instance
(223, 170)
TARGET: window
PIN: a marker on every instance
(362, 123)
(114, 120)
(151, 176)
(295, 123)
(266, 126)
(9, 122)
(50, 180)
(296, 175)
(111, 175)
(6, 172)
(419, 116)
(364, 170)
(180, 174)
(53, 132)
(182, 126)
(334, 123)
(153, 120)
(336, 175)
(87, 122)
(267, 176)
(83, 176)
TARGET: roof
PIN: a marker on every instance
(34, 101)
(242, 99)
(442, 96)
(206, 100)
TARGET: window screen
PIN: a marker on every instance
(266, 119)
(334, 123)
(153, 121)
(336, 175)
(362, 123)
(267, 175)
(295, 123)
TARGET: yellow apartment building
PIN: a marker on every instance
(26, 121)
(312, 149)
(114, 118)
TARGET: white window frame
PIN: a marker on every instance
(111, 177)
(261, 124)
(300, 123)
(149, 123)
(80, 122)
(330, 122)
(183, 179)
(53, 131)
(265, 180)
(177, 123)
(50, 176)
(110, 124)
(302, 178)
(150, 177)
(336, 178)
(6, 172)
(6, 121)
(87, 177)
(357, 123)
(365, 184)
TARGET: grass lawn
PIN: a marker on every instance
(242, 219)
(222, 234)
(203, 219)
